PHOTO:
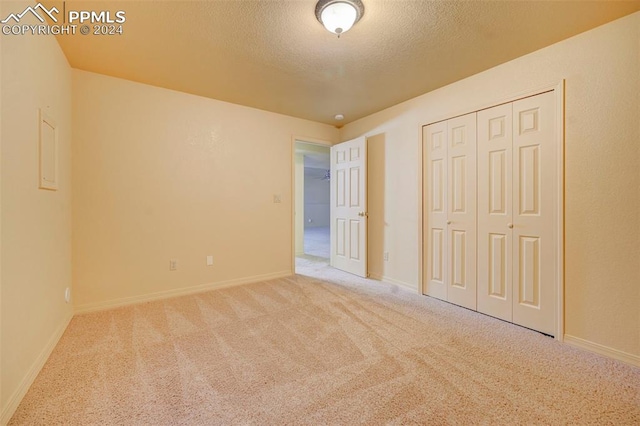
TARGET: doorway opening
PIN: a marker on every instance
(312, 202)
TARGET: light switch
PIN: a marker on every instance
(209, 260)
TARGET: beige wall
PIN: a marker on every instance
(376, 206)
(602, 148)
(36, 224)
(160, 174)
(299, 207)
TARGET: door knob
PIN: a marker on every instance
(448, 222)
(362, 214)
(510, 225)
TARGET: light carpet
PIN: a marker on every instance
(321, 347)
(317, 242)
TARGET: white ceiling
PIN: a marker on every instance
(274, 54)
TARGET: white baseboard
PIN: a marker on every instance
(602, 350)
(116, 303)
(403, 284)
(389, 280)
(32, 373)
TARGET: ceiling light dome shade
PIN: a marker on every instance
(338, 16)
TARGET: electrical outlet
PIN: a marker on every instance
(173, 264)
(386, 256)
(209, 260)
(277, 199)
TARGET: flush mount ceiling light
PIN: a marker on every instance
(338, 16)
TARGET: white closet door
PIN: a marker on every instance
(434, 149)
(495, 139)
(534, 213)
(461, 220)
(490, 222)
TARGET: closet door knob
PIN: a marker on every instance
(448, 222)
(510, 225)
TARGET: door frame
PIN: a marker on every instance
(310, 141)
(559, 91)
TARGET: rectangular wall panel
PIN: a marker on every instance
(354, 235)
(341, 189)
(529, 279)
(436, 140)
(437, 257)
(458, 173)
(437, 186)
(341, 230)
(528, 121)
(530, 180)
(497, 182)
(354, 154)
(458, 259)
(458, 136)
(354, 193)
(497, 125)
(497, 265)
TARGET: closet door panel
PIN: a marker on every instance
(461, 218)
(534, 212)
(495, 172)
(434, 141)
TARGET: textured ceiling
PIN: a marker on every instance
(274, 55)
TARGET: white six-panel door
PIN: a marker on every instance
(348, 196)
(534, 213)
(516, 235)
(495, 199)
(434, 141)
(449, 149)
(461, 216)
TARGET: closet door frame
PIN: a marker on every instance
(558, 88)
